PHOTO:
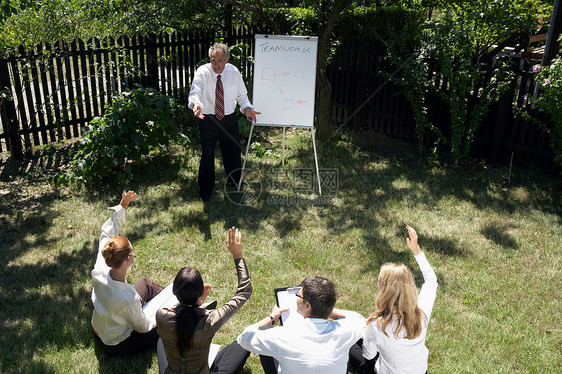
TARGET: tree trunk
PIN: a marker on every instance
(324, 100)
(323, 87)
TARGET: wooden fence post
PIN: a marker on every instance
(359, 70)
(152, 61)
(8, 111)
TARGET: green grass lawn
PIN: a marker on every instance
(495, 248)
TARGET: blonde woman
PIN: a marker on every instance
(396, 331)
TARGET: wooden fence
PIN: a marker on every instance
(57, 89)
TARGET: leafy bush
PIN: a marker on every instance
(549, 79)
(134, 124)
(473, 84)
(294, 21)
(383, 24)
(462, 40)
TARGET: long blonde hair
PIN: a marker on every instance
(398, 299)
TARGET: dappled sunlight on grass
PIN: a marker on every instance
(402, 184)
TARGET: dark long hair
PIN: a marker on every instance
(188, 287)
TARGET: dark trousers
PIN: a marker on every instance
(357, 362)
(227, 133)
(269, 364)
(137, 342)
(230, 359)
(147, 289)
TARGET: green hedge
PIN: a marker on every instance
(135, 124)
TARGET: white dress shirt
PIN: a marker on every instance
(117, 305)
(203, 90)
(399, 355)
(310, 345)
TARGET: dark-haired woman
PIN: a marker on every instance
(119, 324)
(188, 328)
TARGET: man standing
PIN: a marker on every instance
(313, 345)
(216, 89)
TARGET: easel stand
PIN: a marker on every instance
(283, 160)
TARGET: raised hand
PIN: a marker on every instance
(207, 289)
(126, 198)
(412, 241)
(234, 242)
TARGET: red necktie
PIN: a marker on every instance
(219, 99)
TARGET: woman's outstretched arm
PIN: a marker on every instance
(112, 225)
(428, 292)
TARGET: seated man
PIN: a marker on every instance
(311, 345)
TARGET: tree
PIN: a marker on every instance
(464, 41)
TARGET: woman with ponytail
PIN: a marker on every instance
(394, 340)
(119, 324)
(187, 329)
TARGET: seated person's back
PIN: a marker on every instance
(313, 344)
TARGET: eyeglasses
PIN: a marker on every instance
(299, 296)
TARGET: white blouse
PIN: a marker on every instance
(117, 305)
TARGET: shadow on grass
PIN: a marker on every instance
(360, 186)
(499, 236)
(136, 364)
(42, 304)
(36, 367)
